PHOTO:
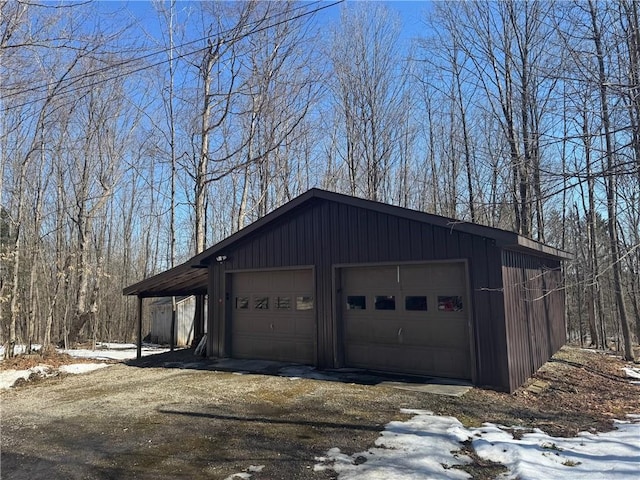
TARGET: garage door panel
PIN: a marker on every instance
(368, 329)
(442, 362)
(364, 356)
(425, 334)
(249, 326)
(256, 347)
(302, 279)
(434, 335)
(271, 324)
(242, 283)
(440, 333)
(306, 328)
(250, 346)
(284, 350)
(451, 361)
(429, 334)
(449, 276)
(371, 277)
(358, 329)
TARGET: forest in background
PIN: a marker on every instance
(125, 151)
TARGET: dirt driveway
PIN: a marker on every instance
(173, 417)
(131, 422)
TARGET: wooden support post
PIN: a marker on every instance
(139, 350)
(198, 319)
(213, 331)
(172, 335)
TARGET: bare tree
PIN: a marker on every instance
(280, 91)
(612, 189)
(507, 44)
(445, 64)
(368, 92)
(599, 41)
(26, 140)
(218, 68)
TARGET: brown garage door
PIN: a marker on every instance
(273, 316)
(407, 318)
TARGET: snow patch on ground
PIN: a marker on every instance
(428, 446)
(633, 372)
(20, 349)
(8, 378)
(246, 475)
(590, 350)
(105, 352)
(611, 455)
(423, 447)
(78, 368)
(115, 351)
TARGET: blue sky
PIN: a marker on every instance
(412, 14)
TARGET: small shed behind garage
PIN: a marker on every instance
(336, 281)
(161, 319)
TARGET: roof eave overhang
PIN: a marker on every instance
(184, 279)
(527, 245)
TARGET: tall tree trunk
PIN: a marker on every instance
(203, 158)
(594, 298)
(612, 195)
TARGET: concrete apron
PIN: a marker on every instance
(451, 390)
(432, 385)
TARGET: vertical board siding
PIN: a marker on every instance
(324, 251)
(534, 313)
(185, 321)
(488, 305)
(408, 246)
(393, 238)
(426, 238)
(415, 241)
(216, 335)
(439, 242)
(344, 237)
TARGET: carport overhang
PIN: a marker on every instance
(186, 279)
(189, 278)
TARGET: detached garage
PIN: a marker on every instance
(336, 281)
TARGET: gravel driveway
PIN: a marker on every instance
(147, 421)
(174, 416)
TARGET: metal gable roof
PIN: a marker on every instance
(191, 276)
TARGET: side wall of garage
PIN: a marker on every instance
(534, 317)
(323, 233)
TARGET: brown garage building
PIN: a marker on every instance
(337, 281)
